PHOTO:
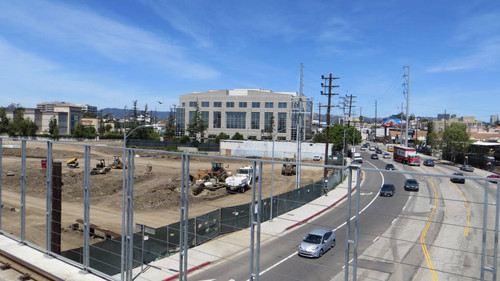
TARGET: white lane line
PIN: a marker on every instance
(394, 220)
(338, 227)
(375, 240)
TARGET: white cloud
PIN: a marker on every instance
(486, 56)
(111, 39)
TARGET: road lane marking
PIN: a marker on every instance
(466, 231)
(375, 240)
(337, 228)
(424, 233)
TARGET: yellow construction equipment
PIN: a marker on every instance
(72, 163)
(100, 167)
(117, 162)
(218, 171)
(288, 168)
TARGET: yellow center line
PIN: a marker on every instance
(424, 232)
(466, 231)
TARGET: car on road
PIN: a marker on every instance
(374, 156)
(363, 148)
(494, 176)
(372, 148)
(387, 156)
(455, 178)
(390, 167)
(316, 243)
(467, 168)
(411, 185)
(429, 162)
(387, 189)
(378, 151)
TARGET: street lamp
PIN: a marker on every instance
(124, 189)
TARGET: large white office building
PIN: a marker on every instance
(248, 112)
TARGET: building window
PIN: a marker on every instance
(192, 104)
(243, 104)
(255, 124)
(205, 104)
(267, 120)
(281, 104)
(183, 104)
(217, 119)
(282, 122)
(217, 104)
(229, 104)
(269, 104)
(235, 120)
(204, 116)
(255, 104)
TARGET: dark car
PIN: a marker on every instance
(411, 185)
(390, 167)
(316, 243)
(429, 162)
(387, 189)
(457, 180)
(493, 176)
(467, 168)
(378, 151)
(374, 156)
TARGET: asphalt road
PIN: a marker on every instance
(278, 258)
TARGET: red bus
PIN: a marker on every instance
(406, 155)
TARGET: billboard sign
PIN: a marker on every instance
(393, 122)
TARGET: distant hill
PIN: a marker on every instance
(118, 112)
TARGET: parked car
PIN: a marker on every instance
(411, 185)
(457, 180)
(494, 176)
(387, 156)
(390, 167)
(387, 189)
(467, 168)
(316, 158)
(374, 156)
(429, 162)
(316, 243)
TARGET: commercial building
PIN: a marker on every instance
(470, 122)
(248, 112)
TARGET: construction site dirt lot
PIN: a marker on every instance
(156, 191)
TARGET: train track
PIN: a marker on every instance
(13, 268)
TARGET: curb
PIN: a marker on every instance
(188, 271)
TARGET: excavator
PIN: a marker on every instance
(72, 163)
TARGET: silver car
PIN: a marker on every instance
(316, 243)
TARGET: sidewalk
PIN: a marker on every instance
(232, 244)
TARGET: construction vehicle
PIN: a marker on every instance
(218, 171)
(100, 167)
(117, 162)
(288, 168)
(72, 163)
(242, 180)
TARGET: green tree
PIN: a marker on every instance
(185, 139)
(4, 121)
(455, 139)
(269, 127)
(79, 130)
(170, 126)
(237, 136)
(17, 127)
(197, 125)
(53, 128)
(432, 137)
(30, 128)
(336, 136)
(221, 136)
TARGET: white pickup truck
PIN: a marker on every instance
(241, 181)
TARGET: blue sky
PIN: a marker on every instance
(110, 53)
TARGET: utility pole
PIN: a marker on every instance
(375, 121)
(319, 118)
(328, 108)
(299, 129)
(407, 84)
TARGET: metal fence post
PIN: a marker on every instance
(130, 214)
(356, 224)
(1, 173)
(48, 204)
(86, 210)
(23, 190)
(184, 222)
(252, 232)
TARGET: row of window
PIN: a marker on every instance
(238, 120)
(241, 104)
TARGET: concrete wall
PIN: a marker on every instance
(265, 149)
